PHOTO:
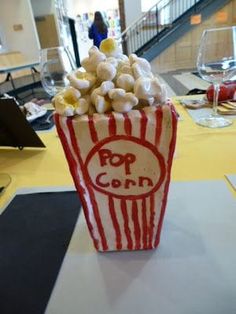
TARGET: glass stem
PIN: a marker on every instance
(215, 98)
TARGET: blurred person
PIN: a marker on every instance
(98, 30)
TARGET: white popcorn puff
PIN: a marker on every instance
(82, 80)
(141, 68)
(163, 95)
(95, 57)
(105, 87)
(113, 61)
(106, 71)
(145, 88)
(68, 102)
(125, 81)
(133, 58)
(102, 90)
(78, 83)
(62, 107)
(124, 103)
(71, 95)
(101, 104)
(124, 67)
(116, 93)
(122, 57)
(82, 106)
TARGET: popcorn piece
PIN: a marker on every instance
(78, 83)
(82, 81)
(146, 88)
(133, 58)
(71, 94)
(116, 93)
(125, 81)
(102, 104)
(122, 57)
(124, 67)
(105, 87)
(95, 57)
(113, 61)
(62, 107)
(110, 47)
(81, 106)
(106, 71)
(141, 68)
(67, 101)
(102, 90)
(125, 103)
(163, 95)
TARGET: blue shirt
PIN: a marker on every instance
(96, 36)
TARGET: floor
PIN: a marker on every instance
(182, 82)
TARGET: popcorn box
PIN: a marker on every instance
(121, 165)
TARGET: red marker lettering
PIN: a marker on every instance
(107, 157)
(98, 180)
(141, 181)
(129, 182)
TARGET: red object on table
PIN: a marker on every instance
(226, 91)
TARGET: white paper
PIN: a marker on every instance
(192, 271)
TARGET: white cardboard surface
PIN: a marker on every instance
(192, 271)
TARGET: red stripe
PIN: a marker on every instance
(144, 219)
(137, 232)
(127, 124)
(115, 223)
(111, 124)
(151, 222)
(98, 219)
(159, 116)
(73, 166)
(169, 164)
(92, 197)
(126, 225)
(143, 125)
(93, 131)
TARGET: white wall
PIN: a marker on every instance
(26, 41)
(42, 7)
(82, 6)
(133, 10)
(147, 4)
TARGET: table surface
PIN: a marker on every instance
(201, 154)
(18, 67)
(202, 159)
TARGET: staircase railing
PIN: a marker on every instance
(160, 17)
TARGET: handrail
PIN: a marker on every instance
(137, 20)
(142, 30)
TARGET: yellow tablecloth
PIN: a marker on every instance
(201, 154)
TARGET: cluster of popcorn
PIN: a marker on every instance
(110, 81)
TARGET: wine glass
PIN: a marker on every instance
(55, 64)
(216, 63)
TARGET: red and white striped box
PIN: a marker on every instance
(121, 164)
